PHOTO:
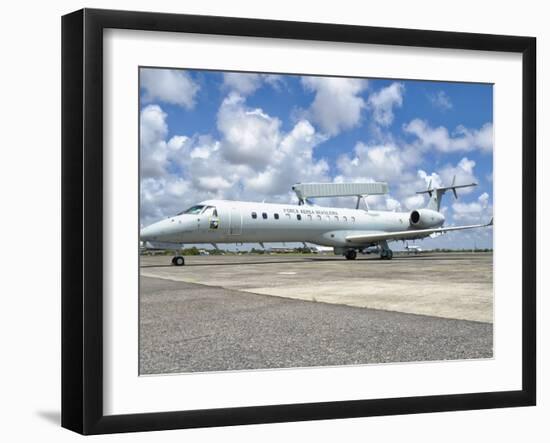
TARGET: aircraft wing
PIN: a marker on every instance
(408, 235)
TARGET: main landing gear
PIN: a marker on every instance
(350, 254)
(385, 252)
(178, 260)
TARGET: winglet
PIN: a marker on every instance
(491, 222)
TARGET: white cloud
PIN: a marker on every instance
(464, 172)
(265, 161)
(242, 83)
(441, 101)
(380, 162)
(432, 180)
(392, 204)
(337, 104)
(249, 136)
(477, 211)
(154, 149)
(383, 101)
(462, 138)
(414, 202)
(170, 86)
(247, 83)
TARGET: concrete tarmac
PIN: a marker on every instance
(448, 285)
(275, 311)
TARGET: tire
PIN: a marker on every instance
(178, 261)
(351, 254)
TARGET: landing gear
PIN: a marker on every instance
(385, 252)
(178, 260)
(351, 254)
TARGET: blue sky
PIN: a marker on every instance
(249, 136)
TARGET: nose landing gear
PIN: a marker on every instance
(178, 260)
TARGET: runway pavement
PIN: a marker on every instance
(256, 312)
(449, 285)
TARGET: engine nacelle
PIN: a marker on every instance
(425, 218)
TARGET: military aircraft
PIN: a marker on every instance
(346, 230)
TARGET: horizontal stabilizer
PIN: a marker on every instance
(436, 193)
(307, 190)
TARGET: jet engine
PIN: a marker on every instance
(425, 218)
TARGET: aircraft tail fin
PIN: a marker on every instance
(437, 193)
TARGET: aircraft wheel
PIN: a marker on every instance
(351, 254)
(178, 261)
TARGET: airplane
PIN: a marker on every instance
(413, 249)
(346, 230)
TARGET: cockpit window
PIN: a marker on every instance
(193, 210)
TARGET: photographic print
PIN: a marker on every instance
(269, 221)
(291, 221)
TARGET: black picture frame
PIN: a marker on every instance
(82, 218)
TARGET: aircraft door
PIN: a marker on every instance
(209, 220)
(235, 222)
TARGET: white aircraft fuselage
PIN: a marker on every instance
(224, 221)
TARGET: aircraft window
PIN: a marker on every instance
(254, 215)
(288, 216)
(193, 210)
(319, 217)
(353, 219)
(336, 218)
(345, 218)
(309, 217)
(264, 215)
(276, 216)
(328, 217)
(298, 216)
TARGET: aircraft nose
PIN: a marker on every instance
(150, 232)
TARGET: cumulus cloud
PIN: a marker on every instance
(155, 150)
(464, 173)
(247, 83)
(382, 103)
(441, 101)
(461, 139)
(477, 211)
(381, 162)
(170, 86)
(252, 159)
(293, 161)
(337, 104)
(414, 201)
(249, 135)
(432, 180)
(392, 204)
